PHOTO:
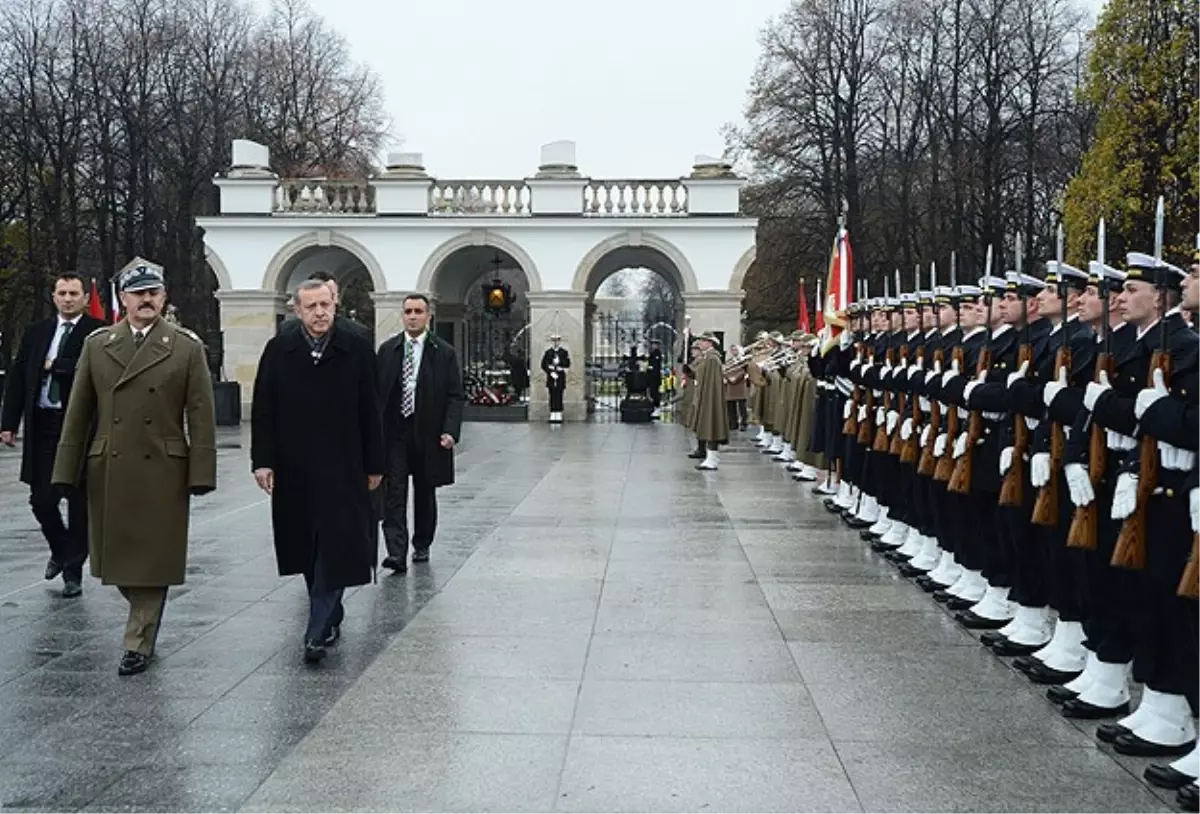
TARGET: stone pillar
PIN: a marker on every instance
(713, 188)
(389, 314)
(403, 187)
(716, 311)
(559, 312)
(249, 186)
(248, 320)
(557, 189)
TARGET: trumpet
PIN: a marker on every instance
(746, 355)
(784, 357)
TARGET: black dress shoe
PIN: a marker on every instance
(71, 588)
(957, 603)
(973, 621)
(1041, 674)
(992, 638)
(1165, 777)
(314, 652)
(133, 663)
(395, 563)
(1188, 798)
(881, 547)
(333, 636)
(1010, 648)
(53, 569)
(421, 556)
(1134, 746)
(1082, 710)
(943, 596)
(869, 536)
(1109, 732)
(1060, 695)
(855, 522)
(696, 456)
(910, 570)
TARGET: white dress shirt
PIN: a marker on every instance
(51, 354)
(417, 347)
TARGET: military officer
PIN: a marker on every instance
(139, 383)
(709, 419)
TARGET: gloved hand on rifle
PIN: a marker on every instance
(1150, 395)
(1079, 484)
(1052, 389)
(1039, 469)
(906, 429)
(848, 408)
(1194, 506)
(1006, 460)
(971, 385)
(1019, 373)
(1124, 500)
(925, 431)
(893, 418)
(1094, 390)
(862, 412)
(939, 445)
(960, 445)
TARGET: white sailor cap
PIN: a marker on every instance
(1024, 283)
(993, 284)
(943, 295)
(1062, 274)
(968, 293)
(1100, 274)
(908, 299)
(1146, 268)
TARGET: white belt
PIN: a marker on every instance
(995, 416)
(1118, 442)
(963, 413)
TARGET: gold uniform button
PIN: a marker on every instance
(1170, 493)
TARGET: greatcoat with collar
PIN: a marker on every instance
(143, 461)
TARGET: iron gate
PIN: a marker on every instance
(495, 363)
(619, 349)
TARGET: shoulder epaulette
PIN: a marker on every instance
(98, 331)
(189, 334)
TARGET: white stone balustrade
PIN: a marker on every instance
(317, 196)
(511, 198)
(635, 198)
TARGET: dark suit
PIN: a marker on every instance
(23, 391)
(413, 443)
(291, 325)
(556, 360)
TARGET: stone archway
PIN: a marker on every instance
(634, 288)
(493, 346)
(355, 283)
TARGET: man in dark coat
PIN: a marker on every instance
(316, 446)
(37, 390)
(291, 324)
(654, 373)
(421, 399)
(555, 363)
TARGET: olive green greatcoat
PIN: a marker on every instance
(141, 466)
(710, 419)
(807, 400)
(791, 404)
(757, 396)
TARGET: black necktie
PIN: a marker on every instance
(54, 393)
(138, 339)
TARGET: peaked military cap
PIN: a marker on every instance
(943, 295)
(1062, 274)
(1024, 284)
(1105, 276)
(140, 275)
(1145, 268)
(968, 293)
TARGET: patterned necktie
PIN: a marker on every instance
(410, 393)
(138, 339)
(54, 394)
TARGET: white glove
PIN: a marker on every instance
(857, 362)
(939, 445)
(1094, 390)
(1150, 395)
(925, 431)
(1194, 506)
(980, 379)
(960, 445)
(1174, 458)
(1032, 423)
(554, 376)
(906, 429)
(1039, 469)
(937, 368)
(1052, 389)
(847, 409)
(1019, 373)
(933, 374)
(870, 364)
(862, 412)
(1124, 499)
(923, 403)
(880, 416)
(1006, 459)
(914, 370)
(1079, 484)
(893, 418)
(948, 376)
(846, 340)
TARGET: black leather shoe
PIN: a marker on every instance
(1060, 695)
(71, 588)
(1041, 674)
(957, 603)
(943, 596)
(395, 563)
(856, 522)
(1082, 710)
(314, 652)
(1110, 732)
(421, 556)
(1188, 798)
(133, 663)
(1009, 648)
(1134, 746)
(972, 620)
(696, 456)
(333, 636)
(1165, 777)
(869, 536)
(53, 569)
(910, 570)
(878, 545)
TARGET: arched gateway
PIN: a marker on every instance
(549, 241)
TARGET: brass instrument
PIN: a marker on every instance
(745, 357)
(782, 358)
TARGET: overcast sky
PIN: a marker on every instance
(641, 86)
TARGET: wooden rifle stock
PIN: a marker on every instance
(1189, 583)
(910, 450)
(881, 437)
(895, 445)
(850, 425)
(1045, 509)
(865, 436)
(928, 464)
(1012, 490)
(945, 465)
(960, 480)
(1131, 543)
(1085, 522)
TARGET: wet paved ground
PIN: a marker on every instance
(601, 628)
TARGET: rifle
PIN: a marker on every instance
(881, 439)
(960, 479)
(928, 463)
(1189, 583)
(910, 449)
(945, 465)
(1131, 543)
(1045, 509)
(850, 425)
(1085, 521)
(1012, 490)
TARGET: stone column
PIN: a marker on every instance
(716, 311)
(559, 312)
(455, 313)
(248, 320)
(389, 314)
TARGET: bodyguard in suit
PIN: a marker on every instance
(138, 384)
(37, 393)
(421, 398)
(324, 523)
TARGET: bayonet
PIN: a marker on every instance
(1102, 289)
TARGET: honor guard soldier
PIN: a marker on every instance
(139, 383)
(556, 361)
(709, 418)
